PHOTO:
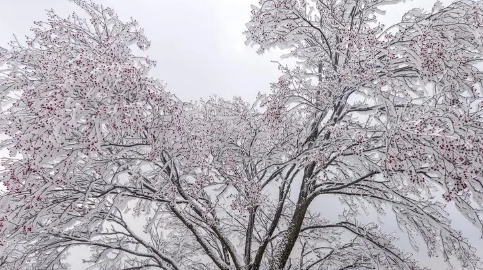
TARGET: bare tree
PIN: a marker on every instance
(383, 118)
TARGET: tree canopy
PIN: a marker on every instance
(385, 118)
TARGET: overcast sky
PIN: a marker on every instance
(198, 44)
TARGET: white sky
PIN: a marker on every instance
(198, 44)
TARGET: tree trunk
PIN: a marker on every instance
(290, 237)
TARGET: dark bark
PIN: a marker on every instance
(291, 236)
(249, 235)
(293, 231)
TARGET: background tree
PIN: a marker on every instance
(384, 118)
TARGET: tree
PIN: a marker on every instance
(383, 118)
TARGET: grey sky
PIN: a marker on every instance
(198, 44)
(199, 47)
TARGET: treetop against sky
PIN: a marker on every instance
(383, 119)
